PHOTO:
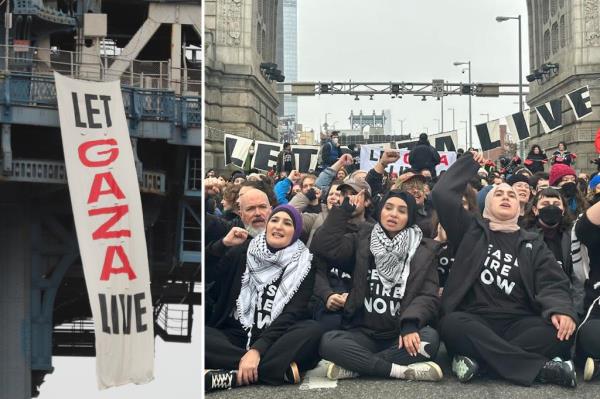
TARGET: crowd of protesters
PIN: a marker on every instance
(372, 271)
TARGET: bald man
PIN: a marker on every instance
(254, 211)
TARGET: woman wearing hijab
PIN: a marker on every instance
(259, 331)
(506, 305)
(393, 298)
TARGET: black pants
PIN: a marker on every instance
(588, 339)
(300, 344)
(354, 350)
(516, 348)
(328, 320)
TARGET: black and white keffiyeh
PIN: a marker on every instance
(393, 256)
(264, 267)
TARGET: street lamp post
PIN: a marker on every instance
(401, 125)
(325, 125)
(470, 95)
(453, 124)
(502, 19)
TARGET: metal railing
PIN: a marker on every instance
(54, 172)
(147, 104)
(140, 73)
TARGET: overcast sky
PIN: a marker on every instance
(177, 374)
(401, 40)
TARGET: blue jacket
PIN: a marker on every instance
(282, 189)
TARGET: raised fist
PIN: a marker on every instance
(235, 236)
(389, 156)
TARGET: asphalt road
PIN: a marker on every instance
(449, 387)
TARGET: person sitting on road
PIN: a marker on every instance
(587, 266)
(259, 331)
(393, 298)
(506, 305)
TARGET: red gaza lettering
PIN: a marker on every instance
(103, 231)
(113, 153)
(108, 269)
(96, 190)
(444, 160)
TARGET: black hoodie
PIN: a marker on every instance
(424, 156)
(545, 283)
(420, 303)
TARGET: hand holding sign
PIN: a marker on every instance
(478, 157)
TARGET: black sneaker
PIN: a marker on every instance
(592, 369)
(559, 373)
(219, 379)
(292, 374)
(464, 368)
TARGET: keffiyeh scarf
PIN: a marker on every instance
(264, 267)
(393, 255)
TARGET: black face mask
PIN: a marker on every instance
(569, 189)
(595, 199)
(551, 215)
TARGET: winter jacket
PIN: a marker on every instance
(565, 158)
(216, 228)
(310, 221)
(586, 261)
(577, 283)
(330, 153)
(324, 180)
(424, 156)
(282, 189)
(535, 162)
(280, 164)
(420, 304)
(231, 269)
(544, 281)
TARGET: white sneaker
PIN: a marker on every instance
(335, 372)
(425, 371)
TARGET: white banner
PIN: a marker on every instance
(107, 209)
(236, 150)
(370, 154)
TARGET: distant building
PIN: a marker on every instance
(374, 121)
(566, 33)
(306, 138)
(290, 53)
(239, 97)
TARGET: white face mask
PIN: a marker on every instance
(334, 140)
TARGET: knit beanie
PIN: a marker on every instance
(559, 171)
(515, 178)
(594, 182)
